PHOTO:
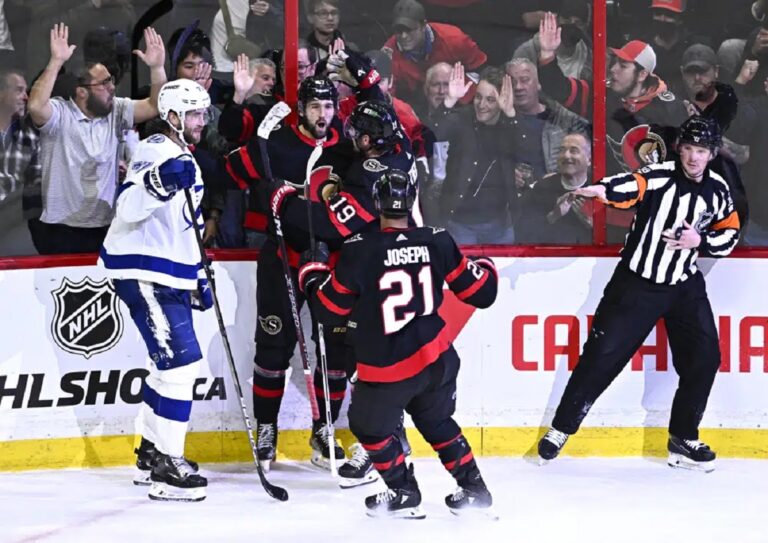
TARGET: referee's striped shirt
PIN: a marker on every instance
(664, 198)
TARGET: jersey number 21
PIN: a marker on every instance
(403, 282)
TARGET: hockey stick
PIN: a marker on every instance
(327, 394)
(313, 158)
(275, 115)
(275, 492)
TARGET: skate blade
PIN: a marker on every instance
(476, 512)
(348, 482)
(167, 493)
(266, 465)
(413, 513)
(679, 461)
(141, 478)
(543, 461)
(318, 460)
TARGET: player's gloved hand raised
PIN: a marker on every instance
(362, 70)
(313, 266)
(171, 176)
(202, 298)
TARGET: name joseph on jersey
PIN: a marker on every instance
(407, 255)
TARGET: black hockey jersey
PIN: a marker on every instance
(289, 151)
(393, 281)
(351, 208)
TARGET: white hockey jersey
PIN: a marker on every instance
(150, 239)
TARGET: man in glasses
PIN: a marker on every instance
(324, 16)
(79, 144)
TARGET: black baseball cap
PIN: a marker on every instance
(408, 13)
(699, 56)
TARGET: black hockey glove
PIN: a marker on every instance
(362, 70)
(313, 268)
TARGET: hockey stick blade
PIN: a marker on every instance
(278, 112)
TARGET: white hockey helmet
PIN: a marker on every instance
(181, 96)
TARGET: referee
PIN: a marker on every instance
(682, 208)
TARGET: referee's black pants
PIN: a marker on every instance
(629, 309)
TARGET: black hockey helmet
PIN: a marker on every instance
(375, 119)
(394, 194)
(700, 130)
(317, 88)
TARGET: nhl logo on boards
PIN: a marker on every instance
(87, 320)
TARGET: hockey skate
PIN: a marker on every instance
(358, 470)
(319, 441)
(551, 444)
(403, 502)
(690, 454)
(266, 447)
(472, 499)
(145, 459)
(173, 479)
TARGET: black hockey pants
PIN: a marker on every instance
(629, 309)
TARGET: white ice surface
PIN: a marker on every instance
(570, 500)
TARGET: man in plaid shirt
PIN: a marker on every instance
(20, 168)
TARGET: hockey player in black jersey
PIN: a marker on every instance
(348, 208)
(391, 280)
(683, 208)
(289, 148)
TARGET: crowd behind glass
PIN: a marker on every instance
(496, 96)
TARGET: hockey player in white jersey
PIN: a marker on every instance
(152, 256)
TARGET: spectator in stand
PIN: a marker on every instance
(261, 75)
(756, 52)
(307, 63)
(418, 44)
(478, 199)
(756, 234)
(669, 37)
(550, 213)
(635, 96)
(540, 123)
(436, 82)
(706, 96)
(435, 92)
(79, 144)
(265, 16)
(642, 114)
(19, 165)
(324, 16)
(19, 141)
(574, 56)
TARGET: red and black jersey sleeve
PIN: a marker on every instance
(238, 122)
(574, 94)
(334, 220)
(244, 165)
(335, 298)
(474, 281)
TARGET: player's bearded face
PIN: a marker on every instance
(194, 122)
(317, 117)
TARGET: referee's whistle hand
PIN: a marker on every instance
(688, 237)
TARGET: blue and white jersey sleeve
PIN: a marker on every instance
(153, 239)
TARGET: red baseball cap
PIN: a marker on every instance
(678, 6)
(639, 52)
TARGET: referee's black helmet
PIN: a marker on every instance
(699, 130)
